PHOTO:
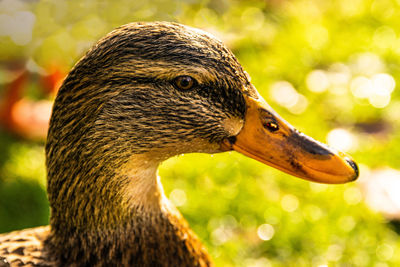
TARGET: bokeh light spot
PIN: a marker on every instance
(289, 203)
(312, 213)
(223, 229)
(178, 197)
(381, 191)
(341, 139)
(286, 95)
(361, 87)
(300, 106)
(384, 83)
(265, 232)
(18, 26)
(384, 252)
(377, 89)
(317, 81)
(347, 223)
(380, 101)
(367, 64)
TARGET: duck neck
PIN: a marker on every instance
(128, 218)
(142, 189)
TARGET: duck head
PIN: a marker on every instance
(179, 90)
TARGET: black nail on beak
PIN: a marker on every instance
(355, 168)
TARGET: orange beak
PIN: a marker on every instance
(266, 137)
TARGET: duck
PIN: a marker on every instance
(145, 92)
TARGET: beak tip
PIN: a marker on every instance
(354, 166)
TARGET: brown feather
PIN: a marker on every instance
(24, 248)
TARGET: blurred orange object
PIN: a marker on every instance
(22, 116)
(51, 82)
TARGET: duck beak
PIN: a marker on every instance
(268, 138)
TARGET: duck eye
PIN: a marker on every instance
(184, 82)
(271, 126)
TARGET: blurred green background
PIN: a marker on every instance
(331, 68)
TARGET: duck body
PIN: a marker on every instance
(24, 248)
(144, 93)
(156, 240)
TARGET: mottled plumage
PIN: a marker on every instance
(119, 113)
(24, 248)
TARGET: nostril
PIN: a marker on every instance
(272, 126)
(354, 166)
(268, 121)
